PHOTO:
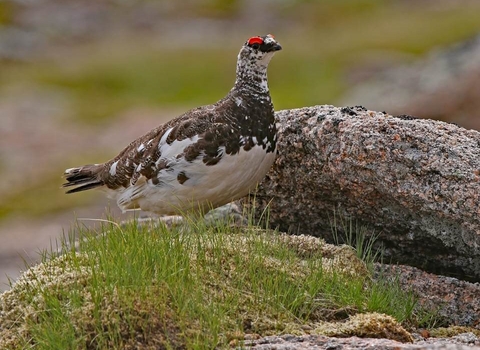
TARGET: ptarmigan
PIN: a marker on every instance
(202, 159)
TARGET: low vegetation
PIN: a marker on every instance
(196, 285)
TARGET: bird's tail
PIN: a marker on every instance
(84, 178)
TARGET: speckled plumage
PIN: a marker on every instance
(206, 157)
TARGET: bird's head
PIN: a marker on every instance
(259, 50)
(253, 60)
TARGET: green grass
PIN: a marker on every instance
(390, 296)
(194, 286)
(349, 232)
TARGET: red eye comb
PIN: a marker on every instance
(255, 40)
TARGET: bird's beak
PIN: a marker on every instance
(277, 47)
(274, 47)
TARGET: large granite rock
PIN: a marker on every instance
(415, 182)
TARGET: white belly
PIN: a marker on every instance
(206, 187)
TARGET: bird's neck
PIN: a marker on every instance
(252, 77)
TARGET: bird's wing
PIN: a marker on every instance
(199, 132)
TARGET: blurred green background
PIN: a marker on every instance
(80, 79)
(102, 73)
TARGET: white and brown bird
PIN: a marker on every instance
(202, 159)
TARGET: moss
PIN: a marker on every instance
(67, 280)
(19, 306)
(369, 325)
(447, 332)
(341, 259)
(248, 281)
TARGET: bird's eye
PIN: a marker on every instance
(255, 42)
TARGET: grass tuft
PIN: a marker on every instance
(194, 285)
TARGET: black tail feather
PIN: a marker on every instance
(85, 177)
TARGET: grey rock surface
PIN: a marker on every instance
(455, 302)
(415, 182)
(290, 342)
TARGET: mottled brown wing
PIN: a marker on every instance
(142, 157)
